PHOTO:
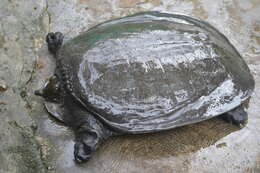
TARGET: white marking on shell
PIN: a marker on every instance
(94, 73)
(163, 48)
(171, 19)
(158, 64)
(181, 95)
(80, 75)
(217, 101)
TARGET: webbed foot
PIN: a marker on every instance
(86, 143)
(54, 41)
(237, 116)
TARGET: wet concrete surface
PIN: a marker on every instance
(211, 146)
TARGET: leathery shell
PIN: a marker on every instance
(154, 71)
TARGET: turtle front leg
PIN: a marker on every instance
(54, 41)
(237, 116)
(89, 136)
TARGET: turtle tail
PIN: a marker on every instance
(54, 41)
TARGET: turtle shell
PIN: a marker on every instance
(154, 71)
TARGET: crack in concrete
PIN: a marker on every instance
(24, 86)
(48, 14)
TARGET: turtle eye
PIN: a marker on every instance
(53, 79)
(54, 85)
(54, 82)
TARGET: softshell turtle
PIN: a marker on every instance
(144, 73)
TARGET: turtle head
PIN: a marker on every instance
(51, 91)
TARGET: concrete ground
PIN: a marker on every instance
(32, 142)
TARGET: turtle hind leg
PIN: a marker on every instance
(89, 136)
(54, 41)
(86, 143)
(237, 116)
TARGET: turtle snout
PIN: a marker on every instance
(48, 94)
(39, 92)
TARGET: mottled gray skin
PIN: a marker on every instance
(144, 73)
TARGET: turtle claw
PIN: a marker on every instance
(243, 124)
(237, 116)
(86, 143)
(82, 152)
